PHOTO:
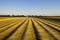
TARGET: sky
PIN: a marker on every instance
(30, 7)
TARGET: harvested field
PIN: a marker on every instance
(29, 28)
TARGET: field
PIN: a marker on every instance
(29, 28)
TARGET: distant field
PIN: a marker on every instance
(29, 28)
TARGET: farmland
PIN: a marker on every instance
(29, 28)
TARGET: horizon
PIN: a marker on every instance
(30, 7)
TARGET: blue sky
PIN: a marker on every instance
(30, 7)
